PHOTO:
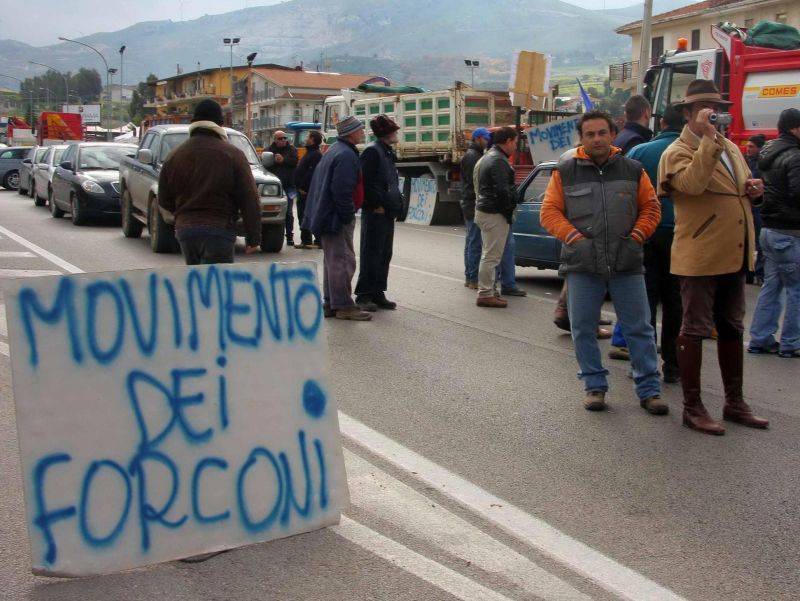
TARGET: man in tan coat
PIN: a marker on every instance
(710, 184)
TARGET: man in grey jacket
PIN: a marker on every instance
(472, 244)
(494, 210)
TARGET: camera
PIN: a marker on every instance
(721, 119)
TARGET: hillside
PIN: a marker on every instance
(414, 41)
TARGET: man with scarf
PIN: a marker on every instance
(206, 182)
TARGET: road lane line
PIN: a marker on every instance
(384, 497)
(27, 273)
(3, 325)
(420, 566)
(609, 574)
(4, 349)
(10, 254)
(58, 261)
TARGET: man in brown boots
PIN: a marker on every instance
(710, 185)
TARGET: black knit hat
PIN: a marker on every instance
(789, 119)
(208, 110)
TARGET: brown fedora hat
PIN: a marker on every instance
(702, 90)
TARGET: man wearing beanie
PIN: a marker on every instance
(383, 203)
(206, 182)
(336, 189)
(779, 162)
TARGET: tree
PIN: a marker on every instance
(145, 92)
(87, 85)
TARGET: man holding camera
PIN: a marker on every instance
(711, 187)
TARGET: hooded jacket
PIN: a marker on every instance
(779, 162)
(602, 213)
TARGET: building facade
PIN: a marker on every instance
(693, 22)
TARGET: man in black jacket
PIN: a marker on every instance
(472, 245)
(285, 164)
(494, 211)
(779, 162)
(302, 181)
(637, 124)
(383, 204)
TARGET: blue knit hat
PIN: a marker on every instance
(481, 132)
(348, 125)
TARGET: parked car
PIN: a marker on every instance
(10, 162)
(43, 174)
(86, 182)
(138, 181)
(27, 168)
(535, 247)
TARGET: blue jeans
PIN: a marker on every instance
(586, 295)
(781, 271)
(506, 271)
(472, 251)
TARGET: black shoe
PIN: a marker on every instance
(513, 292)
(772, 349)
(289, 242)
(672, 375)
(365, 303)
(328, 312)
(793, 354)
(384, 303)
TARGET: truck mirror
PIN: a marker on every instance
(145, 156)
(267, 159)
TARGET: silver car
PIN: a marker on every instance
(10, 162)
(43, 174)
(28, 167)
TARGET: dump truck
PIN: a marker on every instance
(760, 81)
(57, 128)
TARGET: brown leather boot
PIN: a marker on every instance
(731, 364)
(690, 360)
(491, 301)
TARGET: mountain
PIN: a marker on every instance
(628, 14)
(415, 41)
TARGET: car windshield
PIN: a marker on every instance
(104, 157)
(243, 144)
(170, 142)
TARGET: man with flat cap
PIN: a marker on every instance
(711, 187)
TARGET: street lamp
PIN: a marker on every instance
(472, 65)
(111, 72)
(105, 62)
(66, 81)
(231, 42)
(121, 74)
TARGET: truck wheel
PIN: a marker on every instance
(272, 237)
(54, 210)
(162, 234)
(11, 180)
(77, 212)
(131, 227)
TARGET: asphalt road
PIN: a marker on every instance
(474, 471)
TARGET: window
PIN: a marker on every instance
(781, 17)
(169, 142)
(48, 155)
(149, 139)
(69, 154)
(657, 48)
(535, 190)
(695, 39)
(673, 84)
(39, 155)
(15, 153)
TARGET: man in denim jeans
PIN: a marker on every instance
(779, 162)
(472, 245)
(603, 208)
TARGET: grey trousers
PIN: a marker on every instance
(494, 234)
(338, 267)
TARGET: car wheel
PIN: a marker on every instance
(131, 227)
(31, 186)
(20, 190)
(11, 180)
(39, 202)
(272, 237)
(77, 211)
(54, 210)
(162, 234)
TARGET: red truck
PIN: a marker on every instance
(760, 82)
(57, 128)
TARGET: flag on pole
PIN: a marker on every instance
(588, 105)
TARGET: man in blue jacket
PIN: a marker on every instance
(330, 215)
(662, 286)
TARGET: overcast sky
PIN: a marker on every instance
(85, 17)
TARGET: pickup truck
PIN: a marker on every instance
(138, 183)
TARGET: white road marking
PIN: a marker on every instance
(603, 570)
(426, 569)
(26, 273)
(4, 349)
(3, 325)
(10, 254)
(381, 495)
(68, 267)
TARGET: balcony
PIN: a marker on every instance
(624, 75)
(172, 98)
(273, 121)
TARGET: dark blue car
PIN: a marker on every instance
(535, 247)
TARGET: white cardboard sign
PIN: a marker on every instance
(172, 412)
(547, 142)
(422, 200)
(90, 113)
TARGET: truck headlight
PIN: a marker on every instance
(270, 189)
(92, 187)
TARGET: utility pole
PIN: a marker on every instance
(121, 73)
(644, 50)
(231, 42)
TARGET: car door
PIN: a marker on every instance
(40, 170)
(144, 174)
(534, 245)
(63, 177)
(10, 160)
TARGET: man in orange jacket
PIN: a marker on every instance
(603, 208)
